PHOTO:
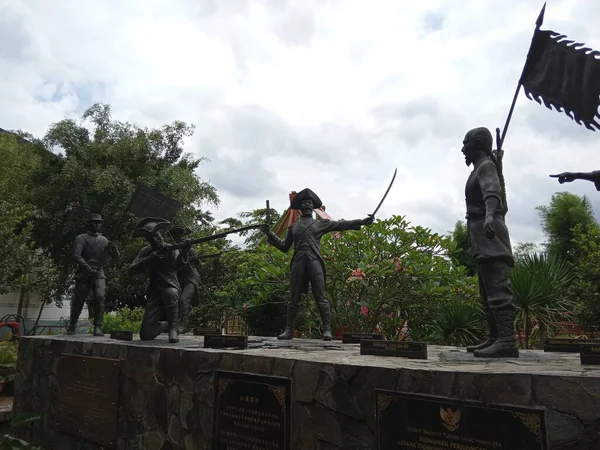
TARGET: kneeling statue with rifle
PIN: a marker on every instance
(162, 262)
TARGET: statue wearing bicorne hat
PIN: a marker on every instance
(164, 289)
(307, 264)
(90, 251)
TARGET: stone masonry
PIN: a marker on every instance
(166, 399)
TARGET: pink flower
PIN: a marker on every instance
(364, 310)
(358, 273)
(398, 263)
(245, 305)
(337, 235)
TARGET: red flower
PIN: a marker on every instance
(364, 310)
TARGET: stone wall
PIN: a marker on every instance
(166, 399)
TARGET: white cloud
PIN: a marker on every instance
(330, 95)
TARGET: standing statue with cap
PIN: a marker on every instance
(164, 290)
(307, 263)
(90, 251)
(490, 243)
(189, 279)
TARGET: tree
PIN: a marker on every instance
(463, 253)
(97, 173)
(24, 266)
(560, 217)
(586, 266)
(253, 237)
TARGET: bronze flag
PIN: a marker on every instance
(564, 75)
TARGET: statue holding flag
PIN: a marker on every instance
(490, 244)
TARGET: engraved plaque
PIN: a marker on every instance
(251, 412)
(567, 345)
(225, 341)
(402, 349)
(88, 397)
(355, 338)
(590, 354)
(207, 331)
(409, 421)
(122, 335)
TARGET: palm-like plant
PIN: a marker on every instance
(458, 322)
(540, 283)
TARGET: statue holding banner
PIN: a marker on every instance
(490, 244)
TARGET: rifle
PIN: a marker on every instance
(180, 245)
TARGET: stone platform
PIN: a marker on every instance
(166, 394)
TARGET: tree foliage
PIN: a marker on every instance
(560, 217)
(100, 163)
(463, 253)
(377, 278)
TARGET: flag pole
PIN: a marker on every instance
(500, 139)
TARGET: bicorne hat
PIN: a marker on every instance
(96, 218)
(179, 231)
(305, 194)
(150, 225)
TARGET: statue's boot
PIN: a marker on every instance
(493, 330)
(506, 344)
(98, 330)
(173, 324)
(326, 318)
(292, 313)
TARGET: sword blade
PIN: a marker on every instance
(385, 195)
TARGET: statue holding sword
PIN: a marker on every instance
(307, 264)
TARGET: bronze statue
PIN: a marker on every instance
(189, 279)
(568, 177)
(307, 263)
(89, 253)
(161, 264)
(490, 242)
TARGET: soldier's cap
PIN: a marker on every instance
(96, 218)
(179, 231)
(305, 194)
(149, 226)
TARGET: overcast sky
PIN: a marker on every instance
(331, 95)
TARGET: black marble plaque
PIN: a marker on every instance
(567, 345)
(225, 341)
(590, 354)
(207, 331)
(88, 398)
(416, 421)
(122, 335)
(355, 338)
(411, 350)
(252, 412)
